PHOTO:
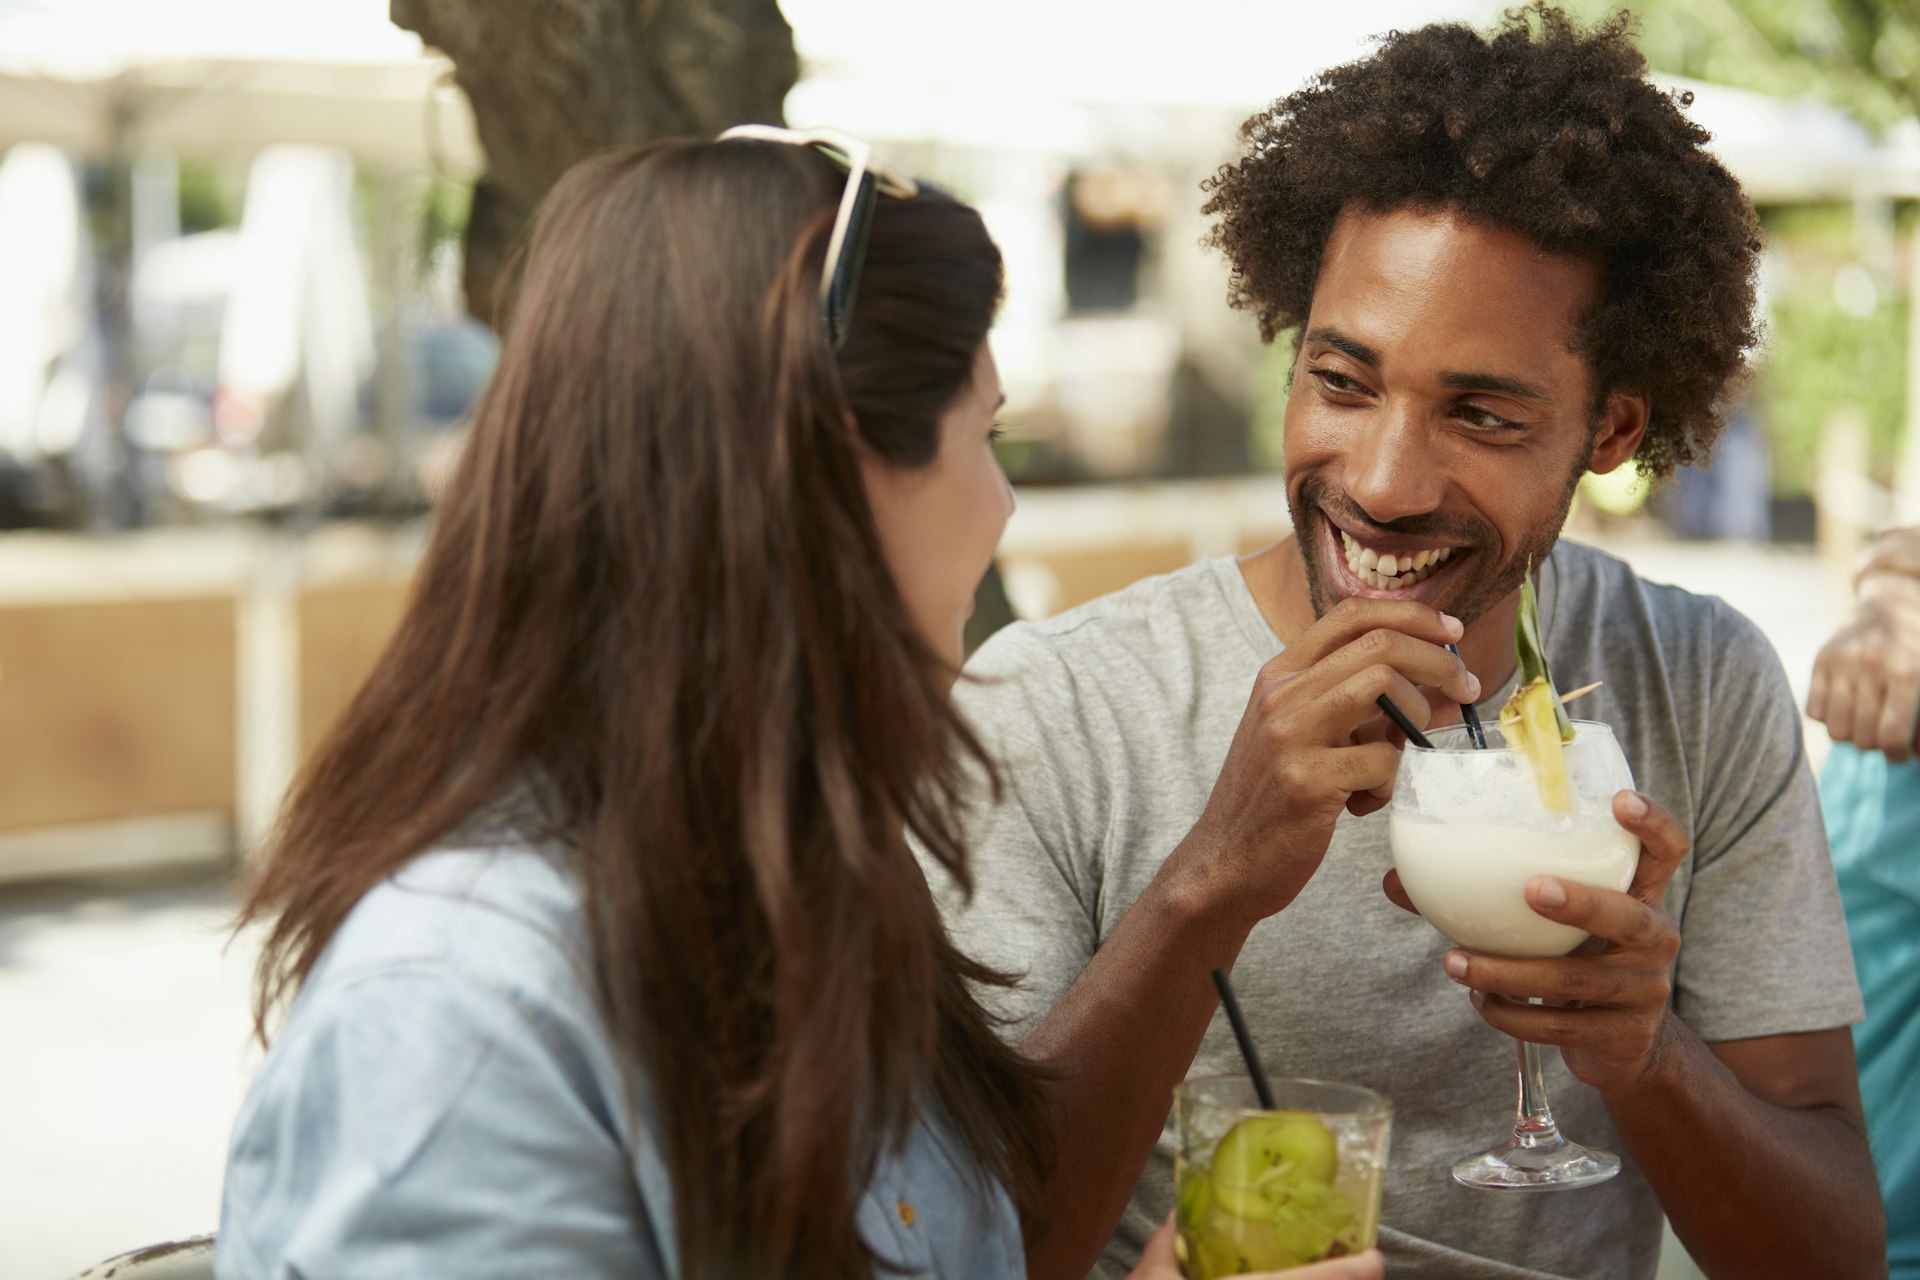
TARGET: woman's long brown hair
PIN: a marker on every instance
(655, 589)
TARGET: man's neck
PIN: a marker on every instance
(1278, 580)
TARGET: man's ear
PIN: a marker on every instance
(1623, 424)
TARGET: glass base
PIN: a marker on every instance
(1536, 1163)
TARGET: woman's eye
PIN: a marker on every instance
(997, 433)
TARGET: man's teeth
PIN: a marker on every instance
(1391, 572)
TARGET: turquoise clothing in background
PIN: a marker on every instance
(1873, 821)
(444, 1101)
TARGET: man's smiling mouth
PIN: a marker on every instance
(1391, 569)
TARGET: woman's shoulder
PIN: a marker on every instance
(437, 1059)
(506, 915)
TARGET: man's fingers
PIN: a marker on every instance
(1397, 892)
(1623, 919)
(1357, 615)
(1355, 702)
(1417, 661)
(1564, 1025)
(1663, 843)
(1604, 980)
(1362, 803)
(1367, 767)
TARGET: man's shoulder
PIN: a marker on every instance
(1166, 611)
(1602, 596)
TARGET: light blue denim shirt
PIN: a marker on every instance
(444, 1101)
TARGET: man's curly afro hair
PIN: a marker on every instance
(1543, 129)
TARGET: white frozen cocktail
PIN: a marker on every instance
(1472, 823)
(1466, 854)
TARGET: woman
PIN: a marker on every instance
(610, 955)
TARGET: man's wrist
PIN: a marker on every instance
(1663, 1072)
(1197, 905)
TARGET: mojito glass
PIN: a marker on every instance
(1263, 1190)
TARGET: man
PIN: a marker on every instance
(1866, 687)
(1507, 261)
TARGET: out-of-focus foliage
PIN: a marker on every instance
(1838, 337)
(205, 203)
(1838, 317)
(1267, 403)
(441, 219)
(1863, 55)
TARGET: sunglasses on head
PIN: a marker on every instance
(847, 246)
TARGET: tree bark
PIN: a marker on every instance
(553, 81)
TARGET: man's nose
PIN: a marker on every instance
(1392, 470)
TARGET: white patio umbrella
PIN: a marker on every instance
(228, 76)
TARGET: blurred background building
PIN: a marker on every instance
(243, 244)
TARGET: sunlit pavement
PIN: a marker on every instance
(123, 1060)
(123, 1010)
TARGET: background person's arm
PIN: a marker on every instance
(1866, 680)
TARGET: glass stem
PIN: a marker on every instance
(1533, 1124)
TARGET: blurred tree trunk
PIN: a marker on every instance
(553, 81)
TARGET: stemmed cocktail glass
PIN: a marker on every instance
(1468, 830)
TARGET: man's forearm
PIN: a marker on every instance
(1126, 1033)
(1753, 1188)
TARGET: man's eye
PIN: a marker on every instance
(1485, 421)
(1340, 382)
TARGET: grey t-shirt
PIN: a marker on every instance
(1112, 722)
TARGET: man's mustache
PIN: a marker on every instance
(1435, 525)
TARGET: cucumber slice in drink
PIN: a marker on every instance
(1223, 1244)
(1263, 1158)
(1316, 1222)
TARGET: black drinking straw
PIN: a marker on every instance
(1261, 1088)
(1399, 717)
(1470, 714)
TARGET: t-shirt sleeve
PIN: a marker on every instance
(1763, 941)
(419, 1122)
(1035, 853)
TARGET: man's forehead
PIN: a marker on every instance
(1449, 280)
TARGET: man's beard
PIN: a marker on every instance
(1480, 582)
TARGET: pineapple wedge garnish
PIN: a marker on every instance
(1534, 718)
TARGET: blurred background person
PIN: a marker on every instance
(1866, 688)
